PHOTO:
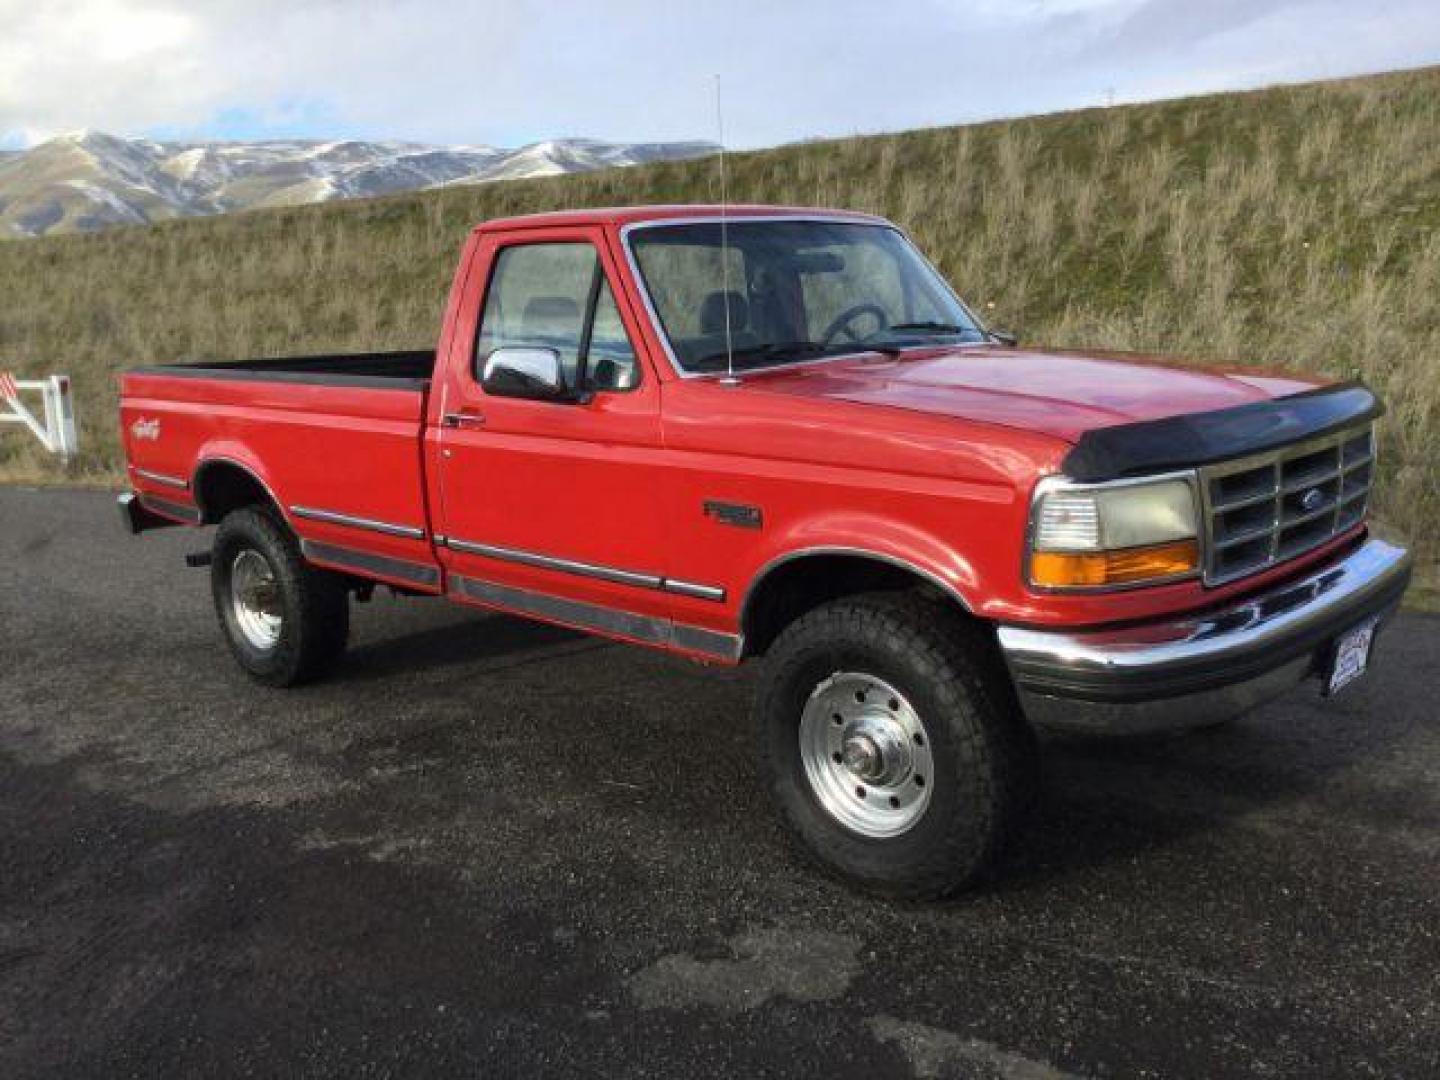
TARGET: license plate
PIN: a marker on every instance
(1351, 657)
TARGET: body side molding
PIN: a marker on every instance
(163, 479)
(334, 517)
(639, 579)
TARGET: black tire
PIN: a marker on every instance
(982, 751)
(313, 604)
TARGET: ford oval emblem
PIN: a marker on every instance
(1312, 500)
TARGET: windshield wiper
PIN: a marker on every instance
(933, 328)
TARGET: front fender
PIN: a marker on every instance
(895, 542)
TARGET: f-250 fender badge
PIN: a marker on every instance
(146, 429)
(737, 514)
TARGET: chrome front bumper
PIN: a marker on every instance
(1199, 669)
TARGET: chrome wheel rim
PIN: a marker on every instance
(255, 599)
(866, 755)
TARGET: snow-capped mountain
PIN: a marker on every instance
(89, 180)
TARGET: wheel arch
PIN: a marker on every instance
(798, 581)
(222, 484)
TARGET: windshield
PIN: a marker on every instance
(792, 290)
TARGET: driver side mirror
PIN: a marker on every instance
(533, 373)
(1004, 337)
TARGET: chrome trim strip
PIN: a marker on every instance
(367, 562)
(690, 588)
(163, 478)
(840, 216)
(1191, 653)
(647, 629)
(583, 569)
(333, 517)
(551, 562)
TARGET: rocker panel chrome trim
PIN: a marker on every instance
(366, 562)
(643, 628)
(189, 515)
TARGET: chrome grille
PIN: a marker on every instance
(1266, 509)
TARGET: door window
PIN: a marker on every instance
(550, 295)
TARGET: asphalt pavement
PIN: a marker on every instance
(490, 848)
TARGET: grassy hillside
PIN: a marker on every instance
(1295, 227)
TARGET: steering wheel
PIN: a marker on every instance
(841, 323)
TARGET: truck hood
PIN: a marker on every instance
(1062, 394)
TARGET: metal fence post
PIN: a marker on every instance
(68, 443)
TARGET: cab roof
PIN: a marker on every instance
(619, 216)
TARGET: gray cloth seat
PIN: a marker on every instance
(712, 313)
(712, 325)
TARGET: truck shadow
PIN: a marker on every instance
(478, 639)
(1102, 802)
(1291, 768)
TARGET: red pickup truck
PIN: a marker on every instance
(748, 432)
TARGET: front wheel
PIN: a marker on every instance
(892, 743)
(286, 621)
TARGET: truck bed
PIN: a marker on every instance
(334, 440)
(383, 369)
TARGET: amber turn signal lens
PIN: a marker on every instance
(1090, 569)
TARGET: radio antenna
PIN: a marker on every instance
(729, 379)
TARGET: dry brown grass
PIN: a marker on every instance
(1295, 227)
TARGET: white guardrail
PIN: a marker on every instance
(57, 430)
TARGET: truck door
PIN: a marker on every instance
(553, 508)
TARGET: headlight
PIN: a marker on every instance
(1085, 536)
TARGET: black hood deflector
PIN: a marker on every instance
(1182, 442)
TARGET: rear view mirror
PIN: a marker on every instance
(529, 372)
(817, 262)
(1004, 337)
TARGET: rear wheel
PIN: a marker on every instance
(286, 621)
(892, 743)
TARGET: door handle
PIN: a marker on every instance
(463, 419)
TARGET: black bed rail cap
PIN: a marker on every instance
(1183, 442)
(406, 369)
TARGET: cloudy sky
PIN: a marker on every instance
(507, 72)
